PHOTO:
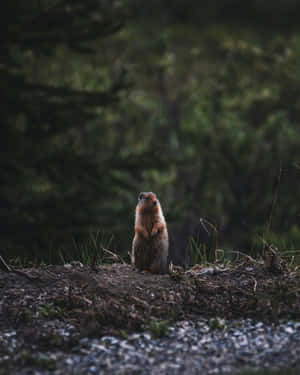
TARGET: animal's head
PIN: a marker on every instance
(148, 201)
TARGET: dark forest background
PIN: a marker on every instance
(198, 102)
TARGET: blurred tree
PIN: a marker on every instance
(199, 104)
(222, 99)
(53, 185)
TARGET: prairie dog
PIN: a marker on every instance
(150, 244)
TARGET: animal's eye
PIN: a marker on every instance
(154, 203)
(141, 196)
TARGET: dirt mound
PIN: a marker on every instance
(108, 299)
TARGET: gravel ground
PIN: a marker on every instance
(201, 347)
(62, 320)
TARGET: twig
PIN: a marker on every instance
(24, 274)
(4, 266)
(255, 285)
(245, 255)
(113, 255)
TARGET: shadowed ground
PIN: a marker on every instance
(106, 299)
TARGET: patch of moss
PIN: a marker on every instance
(51, 311)
(41, 361)
(217, 323)
(158, 329)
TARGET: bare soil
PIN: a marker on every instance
(116, 298)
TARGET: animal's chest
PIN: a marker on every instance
(148, 224)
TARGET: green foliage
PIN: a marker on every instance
(235, 129)
(123, 334)
(52, 312)
(103, 99)
(195, 254)
(203, 253)
(62, 164)
(40, 360)
(217, 323)
(45, 363)
(93, 250)
(158, 329)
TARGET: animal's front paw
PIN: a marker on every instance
(145, 234)
(142, 232)
(154, 232)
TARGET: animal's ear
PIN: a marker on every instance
(141, 196)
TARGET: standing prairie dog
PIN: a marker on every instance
(150, 244)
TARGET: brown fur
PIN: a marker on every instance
(150, 243)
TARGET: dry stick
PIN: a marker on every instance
(238, 252)
(255, 285)
(5, 267)
(113, 255)
(273, 204)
